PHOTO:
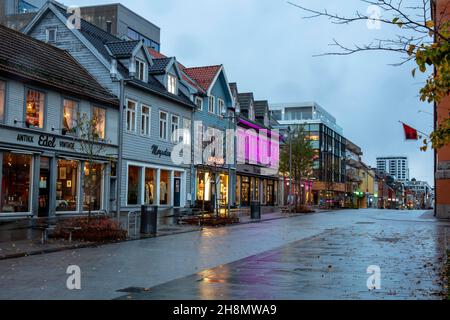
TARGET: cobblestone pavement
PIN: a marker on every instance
(322, 256)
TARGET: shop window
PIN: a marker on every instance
(67, 186)
(35, 108)
(99, 116)
(93, 186)
(223, 200)
(2, 100)
(245, 200)
(238, 190)
(15, 188)
(257, 189)
(131, 116)
(133, 185)
(70, 114)
(164, 188)
(205, 186)
(150, 190)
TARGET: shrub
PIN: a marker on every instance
(98, 229)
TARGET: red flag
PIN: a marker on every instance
(410, 133)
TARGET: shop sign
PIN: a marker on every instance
(159, 153)
(216, 161)
(45, 141)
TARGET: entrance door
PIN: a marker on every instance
(270, 197)
(176, 192)
(44, 188)
(245, 192)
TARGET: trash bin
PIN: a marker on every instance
(255, 210)
(149, 218)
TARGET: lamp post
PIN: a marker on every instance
(232, 120)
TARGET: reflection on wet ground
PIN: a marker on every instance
(332, 265)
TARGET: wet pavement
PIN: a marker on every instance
(321, 256)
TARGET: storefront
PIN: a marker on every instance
(252, 185)
(212, 187)
(151, 184)
(43, 175)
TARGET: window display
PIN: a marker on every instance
(15, 188)
(150, 190)
(93, 186)
(164, 188)
(133, 185)
(67, 186)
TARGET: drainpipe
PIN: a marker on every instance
(120, 152)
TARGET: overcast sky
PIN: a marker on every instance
(268, 48)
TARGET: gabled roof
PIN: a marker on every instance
(234, 88)
(122, 49)
(26, 57)
(159, 65)
(245, 100)
(261, 108)
(204, 76)
(98, 39)
(155, 54)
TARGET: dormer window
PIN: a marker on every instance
(172, 84)
(140, 70)
(50, 35)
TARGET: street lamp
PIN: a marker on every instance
(232, 119)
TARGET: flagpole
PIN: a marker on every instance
(426, 135)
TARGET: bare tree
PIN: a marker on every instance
(92, 145)
(421, 36)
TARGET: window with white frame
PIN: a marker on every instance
(35, 109)
(70, 115)
(140, 70)
(50, 35)
(172, 84)
(145, 120)
(221, 105)
(175, 124)
(163, 125)
(187, 131)
(211, 103)
(99, 117)
(199, 103)
(131, 116)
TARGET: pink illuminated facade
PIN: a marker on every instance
(258, 155)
